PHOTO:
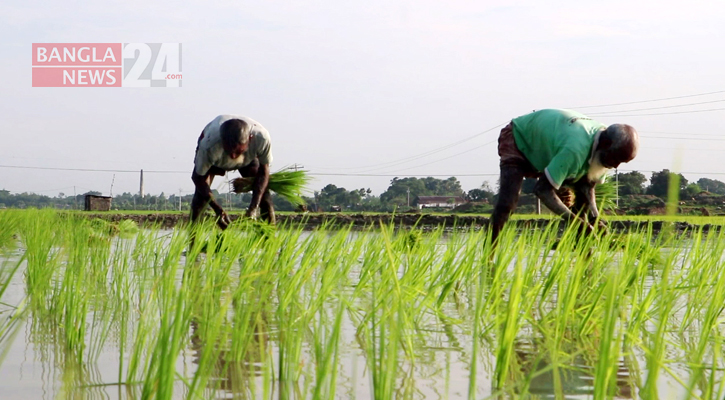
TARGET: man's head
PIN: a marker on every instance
(617, 144)
(235, 137)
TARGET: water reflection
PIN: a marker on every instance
(572, 378)
(234, 367)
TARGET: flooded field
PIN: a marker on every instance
(95, 310)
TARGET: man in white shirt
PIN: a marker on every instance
(227, 143)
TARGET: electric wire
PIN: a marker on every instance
(649, 101)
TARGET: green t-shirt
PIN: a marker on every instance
(558, 142)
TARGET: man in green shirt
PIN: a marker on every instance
(560, 148)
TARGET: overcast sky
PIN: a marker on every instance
(385, 88)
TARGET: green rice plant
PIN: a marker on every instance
(11, 316)
(408, 241)
(606, 195)
(9, 222)
(174, 321)
(42, 255)
(286, 183)
(610, 341)
(673, 194)
(704, 310)
(509, 324)
(327, 353)
(655, 348)
(285, 314)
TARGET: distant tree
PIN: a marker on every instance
(477, 195)
(480, 194)
(691, 190)
(631, 182)
(281, 204)
(397, 192)
(711, 185)
(660, 181)
(332, 195)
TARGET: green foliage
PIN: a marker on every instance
(660, 181)
(691, 190)
(331, 195)
(397, 192)
(631, 183)
(285, 314)
(484, 193)
(606, 195)
(711, 185)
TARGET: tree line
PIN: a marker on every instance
(400, 194)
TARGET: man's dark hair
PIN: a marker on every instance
(623, 139)
(234, 132)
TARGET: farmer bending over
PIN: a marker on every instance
(560, 148)
(227, 143)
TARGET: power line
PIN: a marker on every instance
(675, 148)
(651, 100)
(446, 158)
(681, 138)
(662, 108)
(674, 172)
(184, 172)
(135, 171)
(396, 175)
(675, 133)
(652, 114)
(376, 167)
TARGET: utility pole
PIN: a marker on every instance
(179, 199)
(408, 197)
(616, 185)
(229, 192)
(140, 190)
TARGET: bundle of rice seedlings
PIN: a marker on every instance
(257, 229)
(286, 183)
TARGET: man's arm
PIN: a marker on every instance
(546, 192)
(259, 186)
(203, 196)
(585, 189)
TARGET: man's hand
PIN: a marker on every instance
(251, 212)
(222, 219)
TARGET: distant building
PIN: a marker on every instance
(438, 201)
(97, 203)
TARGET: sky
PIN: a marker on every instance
(358, 93)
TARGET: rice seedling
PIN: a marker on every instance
(286, 183)
(290, 313)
